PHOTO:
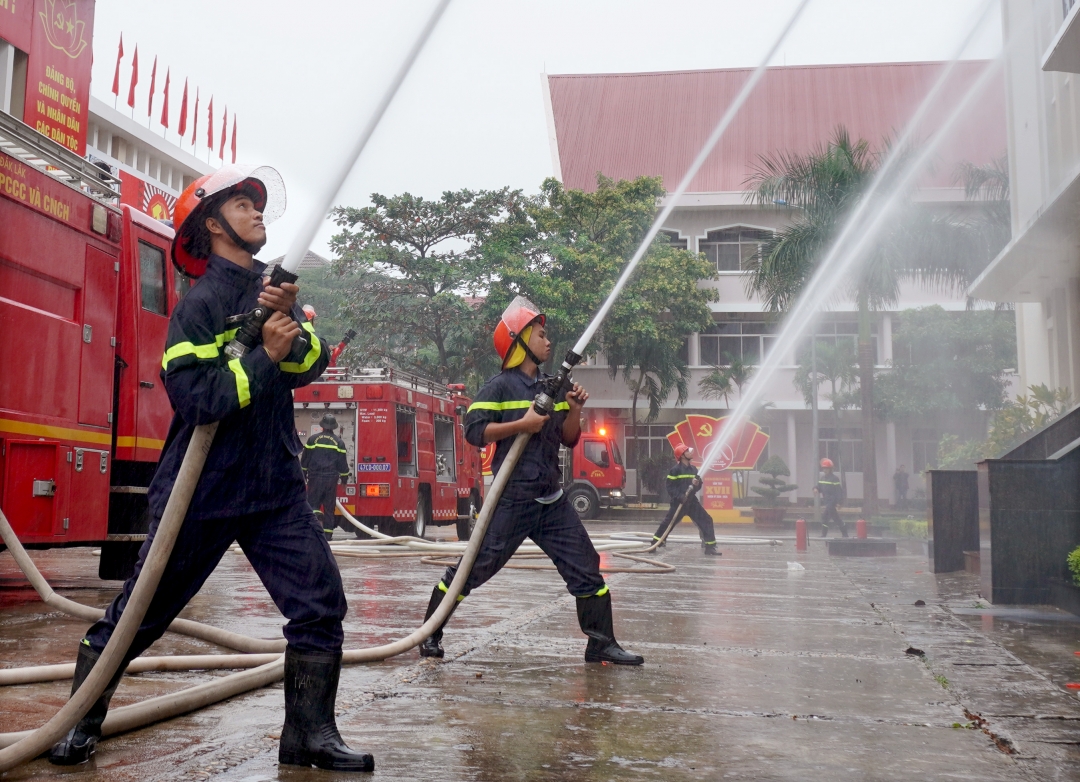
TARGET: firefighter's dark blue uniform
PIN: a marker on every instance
(832, 494)
(678, 481)
(251, 490)
(553, 524)
(325, 462)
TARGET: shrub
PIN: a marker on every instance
(1074, 564)
(774, 486)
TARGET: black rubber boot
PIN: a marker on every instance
(79, 745)
(310, 736)
(711, 549)
(658, 539)
(594, 616)
(432, 647)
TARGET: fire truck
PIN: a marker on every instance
(593, 475)
(404, 436)
(86, 289)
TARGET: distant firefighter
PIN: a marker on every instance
(679, 479)
(324, 464)
(832, 494)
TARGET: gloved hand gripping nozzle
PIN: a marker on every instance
(557, 385)
(249, 326)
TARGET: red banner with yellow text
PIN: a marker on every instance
(58, 70)
(17, 22)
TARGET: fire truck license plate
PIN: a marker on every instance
(373, 467)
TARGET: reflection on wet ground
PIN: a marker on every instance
(753, 671)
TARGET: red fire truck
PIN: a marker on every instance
(85, 294)
(405, 440)
(593, 475)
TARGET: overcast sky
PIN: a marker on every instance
(302, 78)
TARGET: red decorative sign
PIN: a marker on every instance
(141, 195)
(58, 70)
(702, 433)
(741, 452)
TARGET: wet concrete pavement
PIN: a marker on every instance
(753, 671)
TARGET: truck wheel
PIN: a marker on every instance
(584, 502)
(466, 526)
(423, 515)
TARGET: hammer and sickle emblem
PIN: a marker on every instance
(705, 430)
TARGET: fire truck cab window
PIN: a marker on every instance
(445, 463)
(596, 452)
(152, 278)
(615, 452)
(406, 443)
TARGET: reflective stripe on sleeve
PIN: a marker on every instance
(209, 351)
(243, 388)
(517, 404)
(314, 351)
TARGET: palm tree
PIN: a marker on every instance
(836, 364)
(825, 184)
(726, 379)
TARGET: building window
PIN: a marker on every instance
(747, 341)
(674, 240)
(924, 445)
(843, 446)
(732, 249)
(836, 332)
(652, 441)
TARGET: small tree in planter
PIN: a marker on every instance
(769, 512)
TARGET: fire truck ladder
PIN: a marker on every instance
(24, 143)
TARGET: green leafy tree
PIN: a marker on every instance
(950, 364)
(411, 270)
(564, 251)
(825, 185)
(1011, 425)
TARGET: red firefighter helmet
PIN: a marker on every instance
(682, 450)
(191, 245)
(517, 317)
(309, 312)
(826, 464)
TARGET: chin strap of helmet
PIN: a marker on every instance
(243, 245)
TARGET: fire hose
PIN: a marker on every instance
(21, 747)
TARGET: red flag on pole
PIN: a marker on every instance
(195, 119)
(233, 138)
(134, 77)
(210, 124)
(182, 129)
(224, 127)
(165, 103)
(116, 75)
(153, 79)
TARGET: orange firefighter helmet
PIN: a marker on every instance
(682, 450)
(517, 317)
(204, 197)
(826, 464)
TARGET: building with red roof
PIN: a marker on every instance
(628, 125)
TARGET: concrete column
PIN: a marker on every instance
(885, 337)
(694, 350)
(7, 75)
(890, 457)
(792, 451)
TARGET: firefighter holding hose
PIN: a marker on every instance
(532, 505)
(679, 480)
(251, 489)
(325, 462)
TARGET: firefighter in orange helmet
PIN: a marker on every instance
(832, 494)
(532, 504)
(251, 489)
(679, 479)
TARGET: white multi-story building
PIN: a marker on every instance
(630, 125)
(1040, 268)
